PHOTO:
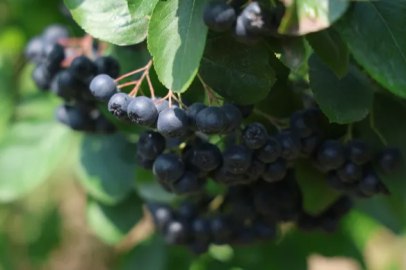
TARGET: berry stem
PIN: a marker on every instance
(211, 96)
(138, 85)
(216, 203)
(127, 84)
(278, 123)
(375, 129)
(348, 135)
(151, 88)
(66, 62)
(131, 73)
(87, 46)
(170, 98)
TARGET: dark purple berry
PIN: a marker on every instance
(211, 120)
(103, 87)
(142, 111)
(218, 15)
(270, 152)
(151, 144)
(255, 136)
(118, 105)
(331, 154)
(237, 159)
(168, 168)
(173, 123)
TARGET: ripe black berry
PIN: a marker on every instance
(257, 18)
(211, 120)
(223, 176)
(173, 123)
(270, 152)
(218, 15)
(143, 162)
(107, 65)
(168, 167)
(54, 54)
(118, 105)
(75, 118)
(142, 111)
(103, 87)
(83, 68)
(254, 172)
(331, 154)
(66, 85)
(255, 136)
(55, 32)
(188, 184)
(390, 160)
(233, 116)
(42, 77)
(241, 32)
(162, 105)
(310, 144)
(304, 123)
(176, 233)
(151, 144)
(201, 229)
(291, 146)
(359, 152)
(34, 49)
(275, 171)
(237, 159)
(369, 183)
(350, 172)
(192, 112)
(162, 214)
(206, 157)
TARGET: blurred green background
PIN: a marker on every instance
(48, 222)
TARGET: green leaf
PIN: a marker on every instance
(294, 53)
(107, 167)
(388, 120)
(141, 8)
(149, 189)
(48, 239)
(238, 72)
(149, 255)
(6, 262)
(331, 49)
(383, 53)
(29, 153)
(112, 223)
(306, 16)
(7, 96)
(343, 100)
(176, 40)
(298, 245)
(109, 20)
(317, 196)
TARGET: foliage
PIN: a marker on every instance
(350, 56)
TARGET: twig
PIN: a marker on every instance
(375, 129)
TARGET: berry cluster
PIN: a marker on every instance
(248, 24)
(171, 120)
(259, 176)
(248, 214)
(68, 75)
